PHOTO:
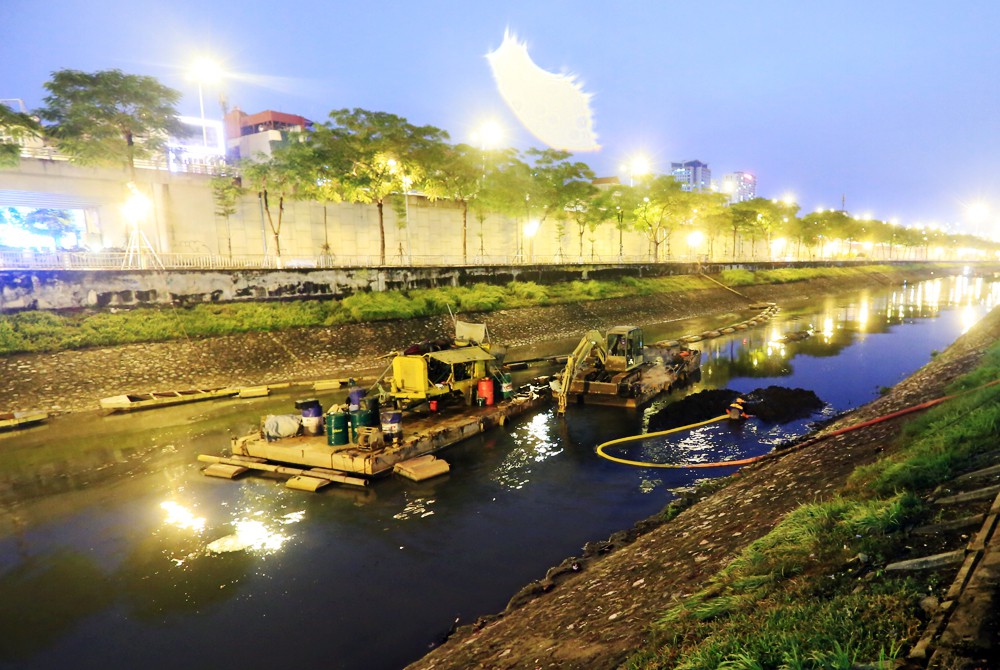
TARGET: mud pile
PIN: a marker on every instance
(774, 404)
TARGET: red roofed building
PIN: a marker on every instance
(250, 134)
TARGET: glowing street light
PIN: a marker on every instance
(636, 167)
(205, 71)
(136, 209)
(530, 230)
(489, 136)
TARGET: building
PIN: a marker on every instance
(694, 175)
(605, 183)
(739, 186)
(250, 134)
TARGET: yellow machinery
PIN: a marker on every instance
(429, 373)
(596, 357)
(613, 369)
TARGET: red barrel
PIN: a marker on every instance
(486, 390)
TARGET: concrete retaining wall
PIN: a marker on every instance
(67, 289)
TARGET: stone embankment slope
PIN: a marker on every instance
(71, 381)
(592, 612)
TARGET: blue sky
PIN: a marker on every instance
(893, 105)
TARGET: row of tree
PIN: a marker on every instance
(379, 158)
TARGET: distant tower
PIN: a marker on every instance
(694, 175)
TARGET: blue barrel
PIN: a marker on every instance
(336, 428)
(354, 396)
(392, 424)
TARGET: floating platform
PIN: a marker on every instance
(133, 401)
(422, 467)
(12, 420)
(312, 458)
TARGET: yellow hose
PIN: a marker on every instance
(644, 436)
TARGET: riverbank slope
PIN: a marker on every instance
(73, 381)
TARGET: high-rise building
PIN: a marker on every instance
(694, 175)
(739, 186)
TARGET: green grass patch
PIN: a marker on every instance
(790, 600)
(938, 444)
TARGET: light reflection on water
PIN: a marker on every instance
(108, 522)
(534, 443)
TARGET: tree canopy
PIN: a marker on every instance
(109, 117)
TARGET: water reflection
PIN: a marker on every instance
(534, 443)
(838, 324)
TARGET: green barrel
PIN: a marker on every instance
(506, 386)
(362, 417)
(336, 428)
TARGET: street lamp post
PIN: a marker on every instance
(205, 71)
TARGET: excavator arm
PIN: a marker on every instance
(592, 342)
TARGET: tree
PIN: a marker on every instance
(714, 216)
(665, 205)
(109, 117)
(17, 126)
(558, 186)
(226, 191)
(279, 177)
(375, 154)
(457, 173)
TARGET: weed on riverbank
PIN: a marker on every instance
(813, 593)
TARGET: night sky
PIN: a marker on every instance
(893, 105)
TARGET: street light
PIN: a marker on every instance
(530, 229)
(636, 167)
(205, 71)
(489, 135)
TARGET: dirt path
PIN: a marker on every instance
(596, 615)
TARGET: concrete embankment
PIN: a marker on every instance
(72, 381)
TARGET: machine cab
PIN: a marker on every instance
(624, 348)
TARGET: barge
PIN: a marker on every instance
(313, 461)
(439, 393)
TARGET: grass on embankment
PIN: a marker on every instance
(802, 596)
(35, 331)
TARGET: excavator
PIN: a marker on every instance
(617, 369)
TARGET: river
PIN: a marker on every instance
(107, 520)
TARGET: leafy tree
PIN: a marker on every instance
(457, 173)
(376, 153)
(226, 192)
(276, 178)
(503, 188)
(558, 186)
(713, 216)
(109, 117)
(16, 126)
(665, 206)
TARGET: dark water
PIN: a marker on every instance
(106, 521)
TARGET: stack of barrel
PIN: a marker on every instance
(342, 422)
